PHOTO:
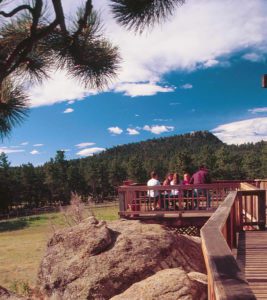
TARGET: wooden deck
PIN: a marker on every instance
(234, 237)
(239, 213)
(252, 259)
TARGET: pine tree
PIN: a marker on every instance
(5, 183)
(32, 45)
(4, 163)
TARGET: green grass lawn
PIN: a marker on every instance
(23, 242)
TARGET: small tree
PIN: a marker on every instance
(56, 178)
(75, 213)
(4, 163)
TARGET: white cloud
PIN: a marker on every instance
(115, 130)
(258, 110)
(34, 152)
(71, 102)
(8, 150)
(142, 89)
(210, 63)
(132, 131)
(254, 57)
(158, 129)
(68, 111)
(136, 115)
(186, 86)
(246, 131)
(90, 151)
(84, 145)
(194, 36)
(162, 120)
(38, 145)
(24, 143)
(57, 89)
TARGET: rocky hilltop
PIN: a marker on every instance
(123, 260)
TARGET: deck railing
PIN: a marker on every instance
(137, 200)
(240, 210)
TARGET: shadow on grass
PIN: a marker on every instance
(17, 224)
(13, 225)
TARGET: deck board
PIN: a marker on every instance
(252, 259)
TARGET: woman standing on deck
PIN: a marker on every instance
(165, 197)
(174, 192)
(175, 181)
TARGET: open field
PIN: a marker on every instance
(23, 242)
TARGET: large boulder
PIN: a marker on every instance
(95, 260)
(8, 295)
(168, 284)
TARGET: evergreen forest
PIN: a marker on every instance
(101, 174)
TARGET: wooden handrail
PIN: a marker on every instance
(219, 235)
(247, 186)
(136, 199)
(179, 186)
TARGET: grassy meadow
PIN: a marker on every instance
(23, 242)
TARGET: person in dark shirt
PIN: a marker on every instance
(201, 177)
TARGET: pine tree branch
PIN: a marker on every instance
(23, 48)
(36, 13)
(60, 15)
(83, 21)
(16, 10)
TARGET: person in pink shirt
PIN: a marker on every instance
(187, 178)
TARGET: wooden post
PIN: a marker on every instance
(234, 226)
(261, 209)
(264, 81)
(240, 207)
(229, 231)
(122, 201)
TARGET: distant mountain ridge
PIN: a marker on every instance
(184, 153)
(170, 144)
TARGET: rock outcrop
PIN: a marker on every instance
(95, 260)
(8, 295)
(168, 284)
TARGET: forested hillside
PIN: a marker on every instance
(102, 173)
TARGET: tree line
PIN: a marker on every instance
(101, 174)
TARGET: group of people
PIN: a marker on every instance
(172, 179)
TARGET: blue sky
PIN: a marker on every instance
(205, 75)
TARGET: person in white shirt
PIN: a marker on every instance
(153, 181)
(175, 181)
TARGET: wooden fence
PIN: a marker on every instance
(240, 210)
(137, 200)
